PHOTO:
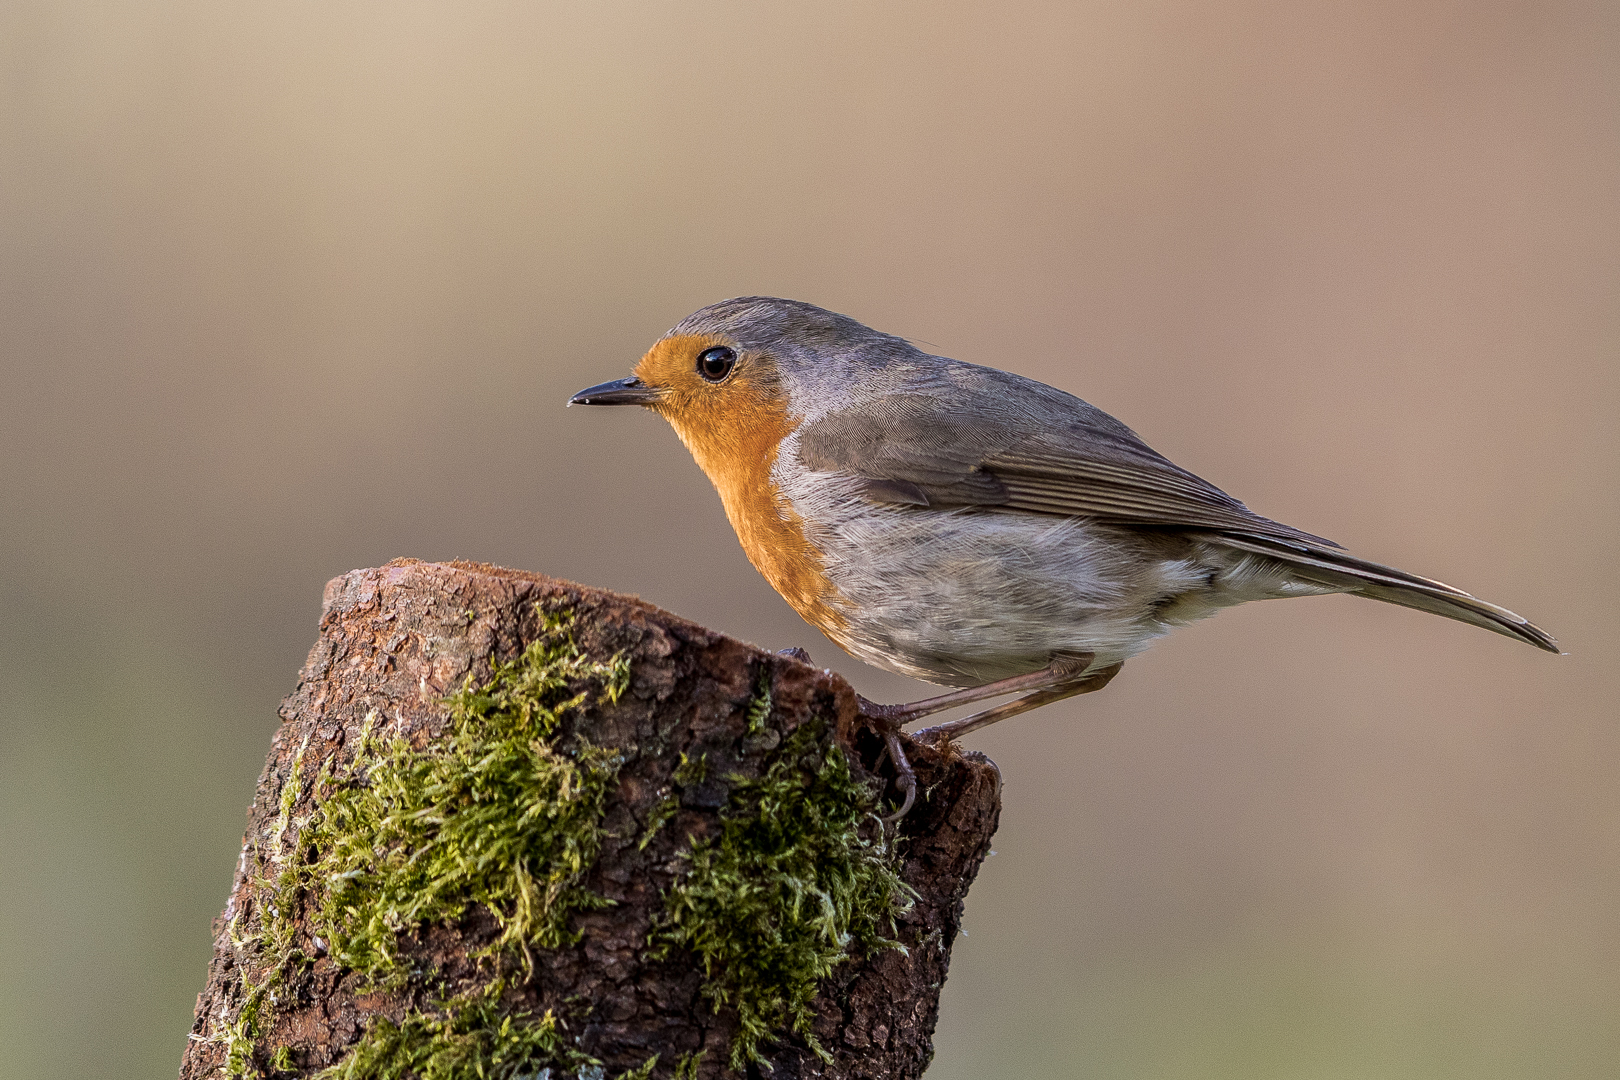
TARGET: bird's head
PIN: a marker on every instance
(737, 377)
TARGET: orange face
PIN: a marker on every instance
(711, 417)
(733, 426)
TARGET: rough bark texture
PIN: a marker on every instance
(394, 642)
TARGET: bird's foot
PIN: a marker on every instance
(888, 725)
(1065, 676)
(905, 777)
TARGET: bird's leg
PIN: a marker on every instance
(1064, 668)
(1051, 683)
(955, 729)
(1064, 677)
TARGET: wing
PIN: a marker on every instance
(1014, 445)
(1018, 446)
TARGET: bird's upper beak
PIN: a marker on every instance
(631, 391)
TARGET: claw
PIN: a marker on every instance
(795, 653)
(907, 778)
(888, 719)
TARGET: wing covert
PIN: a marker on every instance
(1041, 453)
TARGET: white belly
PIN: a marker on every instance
(967, 597)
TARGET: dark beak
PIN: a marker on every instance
(629, 391)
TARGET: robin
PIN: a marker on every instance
(965, 525)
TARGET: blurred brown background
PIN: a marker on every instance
(287, 289)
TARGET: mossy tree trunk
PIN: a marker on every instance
(516, 827)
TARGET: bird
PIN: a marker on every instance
(965, 525)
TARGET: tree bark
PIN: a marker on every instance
(700, 728)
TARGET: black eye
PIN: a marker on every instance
(716, 363)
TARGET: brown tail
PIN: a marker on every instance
(1338, 570)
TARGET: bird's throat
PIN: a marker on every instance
(736, 448)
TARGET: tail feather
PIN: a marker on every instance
(1339, 570)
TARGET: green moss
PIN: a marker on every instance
(788, 889)
(498, 811)
(659, 817)
(692, 771)
(759, 709)
(291, 792)
(493, 813)
(239, 1035)
(471, 1037)
(503, 811)
(644, 1072)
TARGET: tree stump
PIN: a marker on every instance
(513, 826)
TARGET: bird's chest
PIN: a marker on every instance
(773, 537)
(770, 529)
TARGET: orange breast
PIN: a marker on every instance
(733, 433)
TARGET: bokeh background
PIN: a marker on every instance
(292, 288)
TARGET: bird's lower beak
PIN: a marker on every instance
(631, 391)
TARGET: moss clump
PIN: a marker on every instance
(666, 809)
(789, 888)
(759, 707)
(499, 812)
(239, 1035)
(494, 813)
(692, 771)
(472, 1038)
